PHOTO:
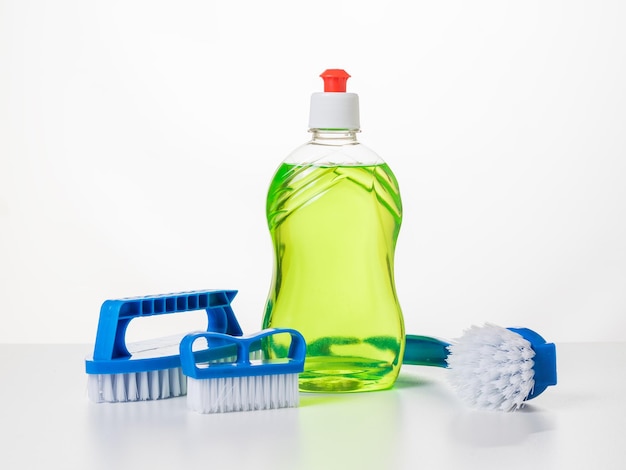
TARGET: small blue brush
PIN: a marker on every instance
(490, 367)
(149, 370)
(242, 383)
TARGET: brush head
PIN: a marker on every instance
(499, 368)
(243, 381)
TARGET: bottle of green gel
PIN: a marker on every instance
(334, 213)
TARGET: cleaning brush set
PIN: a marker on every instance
(490, 367)
(228, 374)
(334, 214)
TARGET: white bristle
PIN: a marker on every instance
(174, 383)
(143, 386)
(226, 394)
(492, 368)
(153, 385)
(132, 392)
(120, 387)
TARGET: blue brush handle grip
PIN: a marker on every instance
(115, 315)
(240, 347)
(425, 351)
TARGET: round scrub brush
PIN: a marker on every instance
(490, 367)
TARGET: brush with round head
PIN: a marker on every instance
(491, 367)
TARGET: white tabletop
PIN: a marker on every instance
(47, 420)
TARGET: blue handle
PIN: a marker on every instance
(240, 347)
(425, 351)
(115, 315)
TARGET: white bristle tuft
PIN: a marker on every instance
(492, 368)
(154, 384)
(143, 386)
(132, 392)
(227, 394)
(139, 386)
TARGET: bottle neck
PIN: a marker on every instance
(334, 136)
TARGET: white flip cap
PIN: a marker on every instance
(334, 108)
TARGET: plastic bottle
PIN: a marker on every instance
(334, 213)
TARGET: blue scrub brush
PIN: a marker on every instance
(149, 370)
(490, 367)
(241, 383)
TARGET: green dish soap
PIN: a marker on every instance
(334, 213)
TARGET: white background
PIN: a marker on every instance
(138, 139)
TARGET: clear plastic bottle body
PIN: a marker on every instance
(334, 213)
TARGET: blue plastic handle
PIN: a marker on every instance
(425, 351)
(240, 348)
(115, 315)
(111, 356)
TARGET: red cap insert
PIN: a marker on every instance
(335, 80)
